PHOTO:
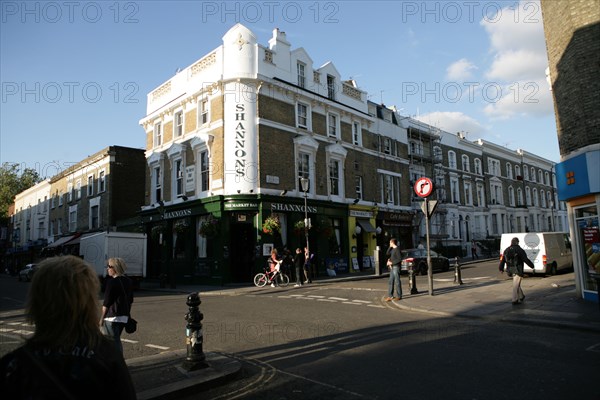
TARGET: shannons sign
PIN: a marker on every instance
(178, 214)
(292, 207)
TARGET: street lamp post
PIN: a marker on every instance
(304, 182)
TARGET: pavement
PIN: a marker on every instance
(550, 301)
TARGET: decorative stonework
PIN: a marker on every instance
(240, 41)
(161, 91)
(204, 63)
(351, 92)
(269, 56)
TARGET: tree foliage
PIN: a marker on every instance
(12, 183)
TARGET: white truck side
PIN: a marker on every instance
(96, 249)
(549, 251)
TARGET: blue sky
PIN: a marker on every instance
(75, 74)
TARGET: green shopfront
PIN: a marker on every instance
(226, 239)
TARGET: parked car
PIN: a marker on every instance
(27, 272)
(417, 260)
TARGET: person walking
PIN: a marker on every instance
(307, 262)
(513, 258)
(67, 357)
(474, 250)
(118, 297)
(393, 263)
(299, 265)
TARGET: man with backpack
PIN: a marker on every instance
(514, 257)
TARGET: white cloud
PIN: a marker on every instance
(519, 61)
(452, 122)
(460, 70)
(527, 98)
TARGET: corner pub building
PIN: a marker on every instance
(228, 140)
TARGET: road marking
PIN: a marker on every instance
(15, 323)
(375, 305)
(4, 330)
(595, 347)
(23, 332)
(316, 296)
(350, 302)
(154, 346)
(328, 300)
(338, 298)
(362, 301)
(129, 341)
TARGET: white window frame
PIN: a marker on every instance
(358, 186)
(73, 218)
(157, 193)
(477, 163)
(511, 196)
(78, 189)
(203, 170)
(333, 123)
(468, 192)
(452, 160)
(178, 124)
(454, 193)
(101, 181)
(203, 111)
(518, 171)
(90, 185)
(334, 182)
(307, 118)
(466, 164)
(178, 178)
(301, 73)
(331, 87)
(157, 134)
(95, 202)
(509, 174)
(69, 192)
(356, 133)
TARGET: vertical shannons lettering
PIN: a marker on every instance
(240, 140)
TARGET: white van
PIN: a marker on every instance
(549, 251)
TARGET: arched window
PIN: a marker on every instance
(465, 163)
(451, 159)
(478, 166)
(518, 171)
(509, 171)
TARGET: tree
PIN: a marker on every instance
(13, 183)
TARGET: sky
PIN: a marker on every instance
(75, 75)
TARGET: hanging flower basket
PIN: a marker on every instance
(209, 228)
(271, 225)
(181, 226)
(299, 228)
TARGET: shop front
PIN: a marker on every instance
(362, 234)
(229, 239)
(578, 185)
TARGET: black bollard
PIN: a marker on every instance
(412, 281)
(195, 356)
(457, 275)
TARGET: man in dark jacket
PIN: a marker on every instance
(394, 260)
(514, 257)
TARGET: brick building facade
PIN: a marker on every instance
(572, 31)
(229, 139)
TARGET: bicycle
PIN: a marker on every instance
(262, 278)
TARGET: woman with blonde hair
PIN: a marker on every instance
(67, 357)
(118, 297)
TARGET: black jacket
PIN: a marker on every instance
(33, 372)
(118, 296)
(521, 259)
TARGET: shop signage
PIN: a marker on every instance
(292, 207)
(190, 178)
(178, 214)
(241, 206)
(361, 214)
